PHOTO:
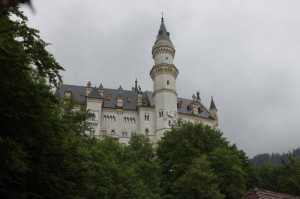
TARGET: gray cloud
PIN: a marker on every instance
(244, 53)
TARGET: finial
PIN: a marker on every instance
(89, 84)
(136, 86)
(162, 16)
(198, 96)
(194, 97)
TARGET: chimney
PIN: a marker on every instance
(120, 98)
(88, 88)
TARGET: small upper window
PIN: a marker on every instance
(168, 83)
(147, 117)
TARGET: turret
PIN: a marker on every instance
(213, 109)
(164, 74)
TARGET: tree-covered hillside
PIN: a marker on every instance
(275, 158)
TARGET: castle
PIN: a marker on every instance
(121, 113)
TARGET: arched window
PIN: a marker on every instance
(161, 113)
(133, 120)
(124, 133)
(147, 117)
(168, 82)
(112, 132)
(124, 119)
(169, 122)
(104, 132)
(92, 132)
(147, 131)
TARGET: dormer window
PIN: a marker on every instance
(179, 104)
(128, 99)
(144, 100)
(108, 97)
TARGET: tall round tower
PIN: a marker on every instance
(164, 74)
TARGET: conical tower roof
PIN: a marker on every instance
(212, 104)
(163, 34)
(163, 37)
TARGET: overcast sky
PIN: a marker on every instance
(245, 53)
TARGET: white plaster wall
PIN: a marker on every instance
(95, 107)
(160, 82)
(194, 119)
(167, 102)
(147, 124)
(119, 125)
(163, 58)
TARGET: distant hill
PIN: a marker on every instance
(274, 158)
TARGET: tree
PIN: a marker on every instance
(227, 166)
(185, 143)
(198, 182)
(40, 156)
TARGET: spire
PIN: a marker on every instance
(163, 34)
(136, 86)
(212, 104)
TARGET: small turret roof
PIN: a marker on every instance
(94, 94)
(212, 104)
(163, 34)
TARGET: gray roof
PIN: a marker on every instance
(163, 34)
(110, 98)
(94, 94)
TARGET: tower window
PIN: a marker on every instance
(168, 82)
(169, 122)
(161, 113)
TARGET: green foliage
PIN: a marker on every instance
(283, 179)
(116, 171)
(39, 154)
(275, 158)
(76, 115)
(187, 142)
(199, 181)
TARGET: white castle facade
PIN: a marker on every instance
(121, 113)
